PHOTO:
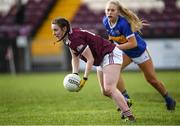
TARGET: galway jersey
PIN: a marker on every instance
(120, 32)
(79, 39)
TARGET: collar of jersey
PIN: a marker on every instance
(114, 24)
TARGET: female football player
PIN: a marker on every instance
(97, 51)
(123, 27)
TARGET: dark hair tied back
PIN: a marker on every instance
(62, 22)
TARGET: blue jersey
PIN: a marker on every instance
(120, 32)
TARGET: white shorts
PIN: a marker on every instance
(115, 57)
(141, 59)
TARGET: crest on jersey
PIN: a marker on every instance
(117, 32)
(80, 47)
(67, 41)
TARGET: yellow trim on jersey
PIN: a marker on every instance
(119, 39)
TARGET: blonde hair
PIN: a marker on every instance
(136, 23)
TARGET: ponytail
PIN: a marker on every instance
(136, 23)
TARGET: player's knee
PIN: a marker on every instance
(107, 91)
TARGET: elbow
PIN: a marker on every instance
(91, 61)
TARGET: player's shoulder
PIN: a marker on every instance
(76, 29)
(75, 33)
(122, 21)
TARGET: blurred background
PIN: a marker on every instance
(26, 40)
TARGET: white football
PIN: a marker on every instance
(71, 82)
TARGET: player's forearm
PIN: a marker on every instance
(132, 43)
(75, 65)
(88, 68)
(126, 46)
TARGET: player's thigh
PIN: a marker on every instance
(126, 61)
(111, 74)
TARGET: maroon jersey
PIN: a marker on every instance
(80, 39)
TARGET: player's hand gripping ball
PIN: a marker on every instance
(72, 82)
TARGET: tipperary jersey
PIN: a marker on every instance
(120, 32)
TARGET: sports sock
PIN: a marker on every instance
(168, 98)
(125, 94)
(126, 113)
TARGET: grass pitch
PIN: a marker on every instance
(40, 99)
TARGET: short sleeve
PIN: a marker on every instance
(125, 29)
(78, 46)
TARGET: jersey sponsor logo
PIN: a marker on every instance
(80, 47)
(117, 32)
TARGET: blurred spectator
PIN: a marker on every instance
(20, 12)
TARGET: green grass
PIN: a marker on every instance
(40, 99)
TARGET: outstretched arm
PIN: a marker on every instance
(90, 60)
(74, 62)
